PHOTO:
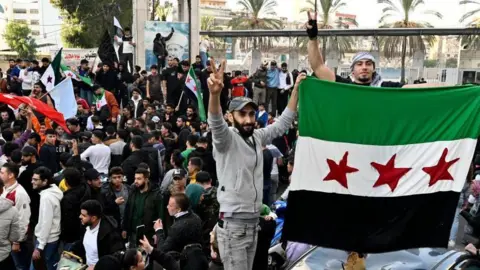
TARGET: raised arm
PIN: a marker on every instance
(314, 56)
(221, 135)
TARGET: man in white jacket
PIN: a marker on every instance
(47, 231)
(21, 250)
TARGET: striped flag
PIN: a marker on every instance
(383, 168)
(195, 92)
(74, 75)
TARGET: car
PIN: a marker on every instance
(318, 258)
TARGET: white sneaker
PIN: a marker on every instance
(451, 244)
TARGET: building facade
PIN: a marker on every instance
(40, 16)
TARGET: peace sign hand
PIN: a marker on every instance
(215, 82)
(312, 27)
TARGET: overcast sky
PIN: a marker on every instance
(368, 12)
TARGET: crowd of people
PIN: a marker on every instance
(139, 180)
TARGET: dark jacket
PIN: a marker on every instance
(109, 239)
(107, 80)
(48, 156)
(160, 45)
(154, 162)
(259, 76)
(25, 179)
(209, 164)
(110, 208)
(130, 165)
(72, 229)
(153, 210)
(182, 138)
(186, 230)
(170, 143)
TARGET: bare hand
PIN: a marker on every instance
(36, 255)
(119, 200)
(177, 109)
(268, 218)
(145, 245)
(124, 235)
(114, 120)
(262, 83)
(74, 144)
(16, 247)
(158, 225)
(300, 78)
(215, 82)
(471, 249)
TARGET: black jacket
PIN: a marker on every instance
(153, 210)
(107, 80)
(48, 156)
(182, 138)
(130, 165)
(109, 239)
(186, 230)
(154, 162)
(209, 164)
(25, 179)
(72, 229)
(110, 208)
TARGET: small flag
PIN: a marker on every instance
(116, 23)
(74, 75)
(52, 75)
(384, 167)
(64, 98)
(195, 92)
(99, 100)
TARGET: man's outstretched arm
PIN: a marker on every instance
(314, 56)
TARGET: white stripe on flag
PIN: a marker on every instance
(311, 167)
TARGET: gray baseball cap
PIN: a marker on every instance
(239, 103)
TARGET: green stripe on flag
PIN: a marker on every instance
(387, 116)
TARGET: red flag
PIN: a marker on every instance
(10, 100)
(44, 109)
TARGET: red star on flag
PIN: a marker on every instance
(188, 80)
(49, 79)
(339, 171)
(440, 171)
(388, 174)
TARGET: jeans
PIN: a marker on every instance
(204, 57)
(237, 243)
(50, 255)
(273, 188)
(259, 95)
(127, 59)
(24, 256)
(454, 229)
(272, 96)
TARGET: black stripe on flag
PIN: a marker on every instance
(370, 224)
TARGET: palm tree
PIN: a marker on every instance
(256, 14)
(326, 20)
(407, 45)
(207, 23)
(164, 11)
(471, 41)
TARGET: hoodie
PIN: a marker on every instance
(9, 227)
(48, 227)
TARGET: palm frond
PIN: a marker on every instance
(469, 14)
(434, 13)
(416, 3)
(466, 2)
(386, 2)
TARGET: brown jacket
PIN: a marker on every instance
(112, 104)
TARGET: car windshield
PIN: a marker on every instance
(424, 258)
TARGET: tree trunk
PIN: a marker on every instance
(404, 55)
(152, 16)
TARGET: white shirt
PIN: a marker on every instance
(204, 45)
(127, 47)
(276, 155)
(283, 80)
(26, 79)
(135, 104)
(99, 156)
(90, 244)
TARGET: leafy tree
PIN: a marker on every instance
(471, 42)
(452, 63)
(430, 63)
(162, 12)
(403, 46)
(18, 38)
(84, 22)
(327, 20)
(256, 14)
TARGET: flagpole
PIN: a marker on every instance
(179, 101)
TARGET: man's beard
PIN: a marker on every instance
(88, 224)
(364, 79)
(142, 186)
(241, 129)
(26, 163)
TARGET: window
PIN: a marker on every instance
(33, 11)
(20, 21)
(34, 22)
(20, 10)
(35, 33)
